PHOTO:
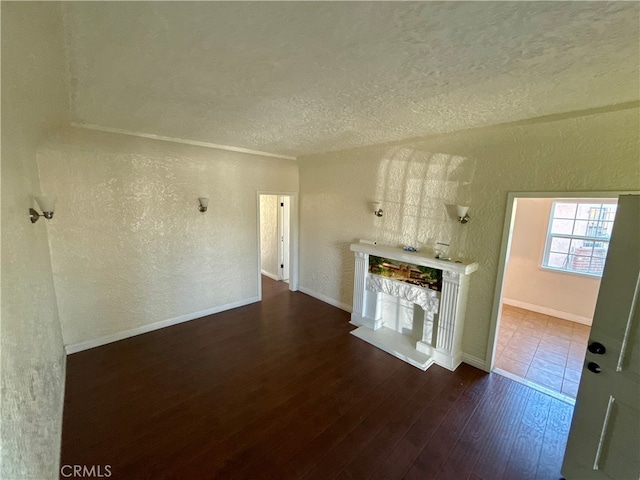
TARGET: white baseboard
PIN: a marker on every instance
(325, 299)
(114, 337)
(475, 362)
(270, 275)
(548, 311)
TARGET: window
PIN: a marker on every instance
(578, 236)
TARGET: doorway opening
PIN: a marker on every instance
(277, 238)
(554, 249)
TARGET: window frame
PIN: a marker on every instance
(544, 264)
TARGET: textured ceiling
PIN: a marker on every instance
(295, 78)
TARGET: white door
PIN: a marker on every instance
(604, 441)
(284, 220)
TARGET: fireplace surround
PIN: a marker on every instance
(410, 304)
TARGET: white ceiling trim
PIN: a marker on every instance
(180, 140)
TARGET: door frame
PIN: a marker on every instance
(505, 250)
(284, 226)
(293, 238)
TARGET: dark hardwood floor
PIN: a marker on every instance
(280, 390)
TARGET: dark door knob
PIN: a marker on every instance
(597, 348)
(594, 367)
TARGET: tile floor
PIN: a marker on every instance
(545, 350)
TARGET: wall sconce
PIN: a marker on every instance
(377, 210)
(47, 205)
(204, 203)
(461, 212)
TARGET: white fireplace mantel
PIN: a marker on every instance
(418, 325)
(463, 267)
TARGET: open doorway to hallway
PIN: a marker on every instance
(557, 249)
(277, 237)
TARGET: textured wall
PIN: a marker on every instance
(415, 180)
(526, 281)
(32, 355)
(129, 247)
(269, 233)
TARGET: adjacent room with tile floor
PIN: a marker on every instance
(544, 350)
